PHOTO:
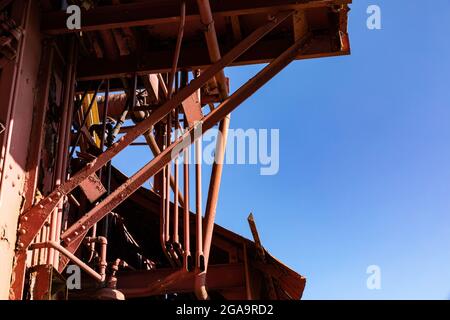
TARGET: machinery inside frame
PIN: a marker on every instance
(71, 100)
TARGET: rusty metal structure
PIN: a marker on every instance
(71, 100)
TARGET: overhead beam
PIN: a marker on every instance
(195, 57)
(155, 12)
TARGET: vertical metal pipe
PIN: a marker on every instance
(102, 147)
(177, 48)
(214, 185)
(212, 43)
(167, 178)
(102, 262)
(64, 174)
(186, 212)
(163, 208)
(176, 238)
(216, 175)
(61, 149)
(184, 80)
(198, 205)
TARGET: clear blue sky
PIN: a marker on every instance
(365, 160)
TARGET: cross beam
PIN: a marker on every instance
(149, 13)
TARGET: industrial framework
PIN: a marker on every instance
(71, 100)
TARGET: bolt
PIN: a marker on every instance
(22, 231)
(20, 245)
(25, 219)
(68, 239)
(41, 206)
(75, 233)
(58, 194)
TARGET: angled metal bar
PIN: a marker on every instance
(150, 169)
(33, 219)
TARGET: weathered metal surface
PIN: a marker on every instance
(275, 32)
(37, 215)
(93, 188)
(154, 166)
(147, 13)
(46, 284)
(17, 85)
(192, 109)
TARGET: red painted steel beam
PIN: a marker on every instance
(150, 169)
(148, 13)
(160, 61)
(32, 220)
(165, 281)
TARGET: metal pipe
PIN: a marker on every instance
(102, 263)
(198, 206)
(212, 43)
(200, 279)
(102, 147)
(176, 238)
(64, 175)
(216, 175)
(61, 150)
(177, 48)
(186, 213)
(187, 258)
(151, 142)
(56, 246)
(214, 185)
(167, 177)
